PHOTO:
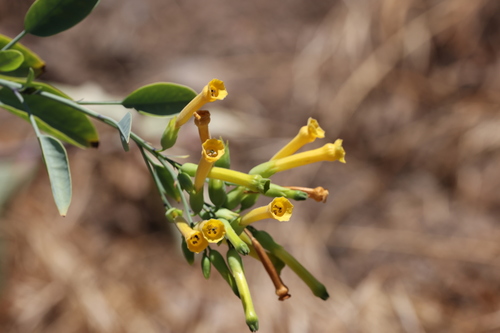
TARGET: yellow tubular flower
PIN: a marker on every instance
(213, 230)
(194, 238)
(329, 152)
(253, 182)
(212, 150)
(279, 209)
(214, 90)
(318, 193)
(307, 134)
(201, 120)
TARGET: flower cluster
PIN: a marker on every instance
(222, 220)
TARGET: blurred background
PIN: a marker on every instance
(409, 238)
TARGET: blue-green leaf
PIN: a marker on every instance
(31, 59)
(160, 99)
(60, 120)
(124, 127)
(49, 17)
(56, 161)
(10, 60)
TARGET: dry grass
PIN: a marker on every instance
(409, 239)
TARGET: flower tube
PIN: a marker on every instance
(329, 152)
(214, 90)
(195, 240)
(307, 134)
(279, 209)
(253, 182)
(212, 150)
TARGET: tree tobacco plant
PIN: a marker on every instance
(208, 227)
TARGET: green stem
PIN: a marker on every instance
(100, 103)
(158, 184)
(161, 159)
(14, 41)
(31, 117)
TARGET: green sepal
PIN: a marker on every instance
(225, 160)
(206, 265)
(196, 201)
(234, 239)
(168, 181)
(185, 182)
(249, 199)
(169, 136)
(276, 191)
(234, 197)
(217, 192)
(172, 213)
(220, 265)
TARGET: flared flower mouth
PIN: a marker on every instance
(213, 230)
(213, 149)
(335, 151)
(281, 209)
(215, 90)
(314, 130)
(196, 242)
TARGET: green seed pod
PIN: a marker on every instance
(249, 200)
(185, 182)
(225, 160)
(196, 201)
(185, 251)
(236, 265)
(234, 197)
(206, 265)
(217, 192)
(169, 136)
(220, 265)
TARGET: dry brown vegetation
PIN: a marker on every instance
(409, 238)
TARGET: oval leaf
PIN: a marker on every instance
(74, 126)
(31, 59)
(124, 127)
(10, 60)
(56, 161)
(160, 99)
(49, 17)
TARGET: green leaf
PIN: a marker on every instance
(50, 17)
(10, 60)
(56, 161)
(58, 119)
(169, 183)
(124, 127)
(31, 59)
(161, 99)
